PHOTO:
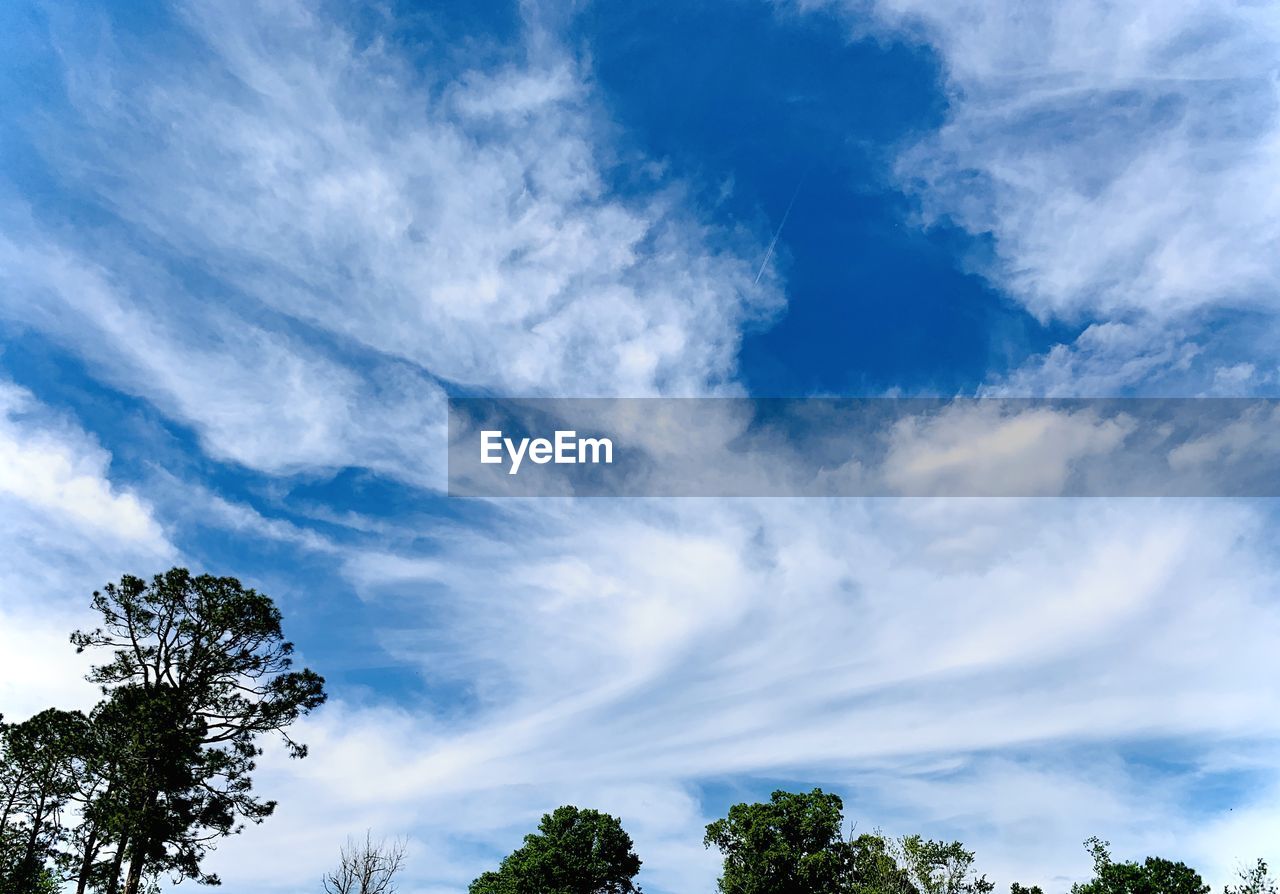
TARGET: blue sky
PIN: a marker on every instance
(247, 250)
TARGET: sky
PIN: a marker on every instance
(248, 250)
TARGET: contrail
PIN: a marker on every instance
(774, 241)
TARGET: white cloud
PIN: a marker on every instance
(38, 665)
(468, 228)
(1126, 155)
(66, 529)
(860, 642)
(1248, 439)
(331, 231)
(1111, 358)
(986, 447)
(58, 471)
(257, 395)
(1122, 158)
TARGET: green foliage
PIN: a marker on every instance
(790, 845)
(1016, 888)
(1254, 880)
(573, 852)
(793, 845)
(939, 868)
(43, 881)
(197, 672)
(214, 641)
(874, 867)
(1154, 875)
(41, 761)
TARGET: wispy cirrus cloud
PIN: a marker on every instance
(1121, 158)
(910, 654)
(258, 395)
(467, 226)
(329, 233)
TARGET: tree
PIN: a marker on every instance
(573, 852)
(1255, 880)
(40, 765)
(199, 672)
(874, 869)
(938, 868)
(366, 867)
(1016, 888)
(1153, 876)
(101, 796)
(790, 845)
(793, 845)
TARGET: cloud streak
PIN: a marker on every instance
(1121, 161)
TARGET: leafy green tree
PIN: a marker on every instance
(1016, 888)
(101, 797)
(1153, 876)
(573, 852)
(40, 765)
(790, 845)
(874, 868)
(936, 867)
(1254, 880)
(199, 671)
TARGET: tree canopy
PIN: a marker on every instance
(875, 869)
(41, 760)
(939, 868)
(573, 852)
(197, 671)
(791, 844)
(1155, 875)
(794, 844)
